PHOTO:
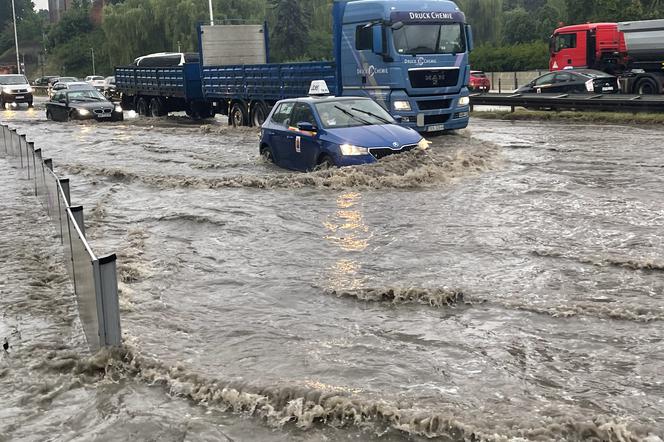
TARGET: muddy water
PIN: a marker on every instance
(507, 283)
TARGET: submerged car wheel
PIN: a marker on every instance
(325, 162)
(647, 86)
(49, 116)
(266, 153)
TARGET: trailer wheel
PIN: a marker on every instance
(238, 116)
(647, 86)
(156, 108)
(142, 107)
(258, 114)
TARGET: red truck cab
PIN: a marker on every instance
(591, 45)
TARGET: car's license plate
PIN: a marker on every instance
(436, 128)
(19, 97)
(104, 115)
(607, 88)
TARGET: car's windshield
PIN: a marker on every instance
(85, 95)
(447, 38)
(352, 112)
(13, 79)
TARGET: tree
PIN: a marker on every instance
(518, 26)
(292, 22)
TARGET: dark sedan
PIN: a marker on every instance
(82, 104)
(579, 81)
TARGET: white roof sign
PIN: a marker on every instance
(318, 87)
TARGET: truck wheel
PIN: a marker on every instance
(156, 108)
(258, 114)
(142, 107)
(238, 116)
(647, 86)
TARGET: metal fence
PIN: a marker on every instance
(94, 278)
(510, 81)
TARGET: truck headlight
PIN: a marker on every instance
(401, 105)
(349, 149)
(118, 108)
(83, 112)
(464, 101)
(423, 144)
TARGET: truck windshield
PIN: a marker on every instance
(447, 38)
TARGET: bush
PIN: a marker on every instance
(518, 57)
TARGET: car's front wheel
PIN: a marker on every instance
(266, 153)
(49, 115)
(325, 162)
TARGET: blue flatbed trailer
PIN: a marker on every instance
(155, 91)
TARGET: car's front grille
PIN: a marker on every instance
(434, 104)
(103, 111)
(426, 78)
(382, 152)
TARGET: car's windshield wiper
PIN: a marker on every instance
(378, 117)
(352, 115)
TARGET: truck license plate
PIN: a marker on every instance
(436, 128)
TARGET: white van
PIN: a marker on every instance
(14, 88)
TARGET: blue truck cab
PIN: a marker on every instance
(410, 56)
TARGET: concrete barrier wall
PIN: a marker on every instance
(94, 278)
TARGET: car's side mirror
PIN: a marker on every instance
(307, 127)
(398, 118)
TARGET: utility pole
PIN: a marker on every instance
(18, 60)
(92, 50)
(211, 16)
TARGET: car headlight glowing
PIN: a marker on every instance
(401, 105)
(349, 149)
(464, 101)
(118, 108)
(423, 144)
(83, 112)
(29, 89)
(6, 90)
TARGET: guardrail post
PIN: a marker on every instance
(64, 184)
(77, 213)
(516, 82)
(106, 286)
(48, 162)
(500, 85)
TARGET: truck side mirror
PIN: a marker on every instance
(377, 35)
(397, 25)
(469, 37)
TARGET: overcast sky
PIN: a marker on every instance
(40, 4)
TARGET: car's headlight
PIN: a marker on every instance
(29, 89)
(83, 112)
(118, 108)
(590, 86)
(464, 101)
(401, 105)
(349, 149)
(6, 90)
(423, 144)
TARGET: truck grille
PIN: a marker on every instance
(436, 119)
(382, 152)
(427, 78)
(434, 104)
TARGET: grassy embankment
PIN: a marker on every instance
(574, 116)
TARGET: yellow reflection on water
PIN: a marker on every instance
(347, 230)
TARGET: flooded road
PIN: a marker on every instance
(507, 283)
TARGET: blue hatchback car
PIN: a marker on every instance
(310, 132)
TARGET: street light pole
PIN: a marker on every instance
(211, 16)
(93, 61)
(18, 61)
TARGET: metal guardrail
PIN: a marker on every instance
(598, 102)
(94, 278)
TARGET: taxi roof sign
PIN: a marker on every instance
(318, 87)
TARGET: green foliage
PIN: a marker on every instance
(292, 22)
(518, 57)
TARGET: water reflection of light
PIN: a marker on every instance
(347, 230)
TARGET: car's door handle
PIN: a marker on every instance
(290, 137)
